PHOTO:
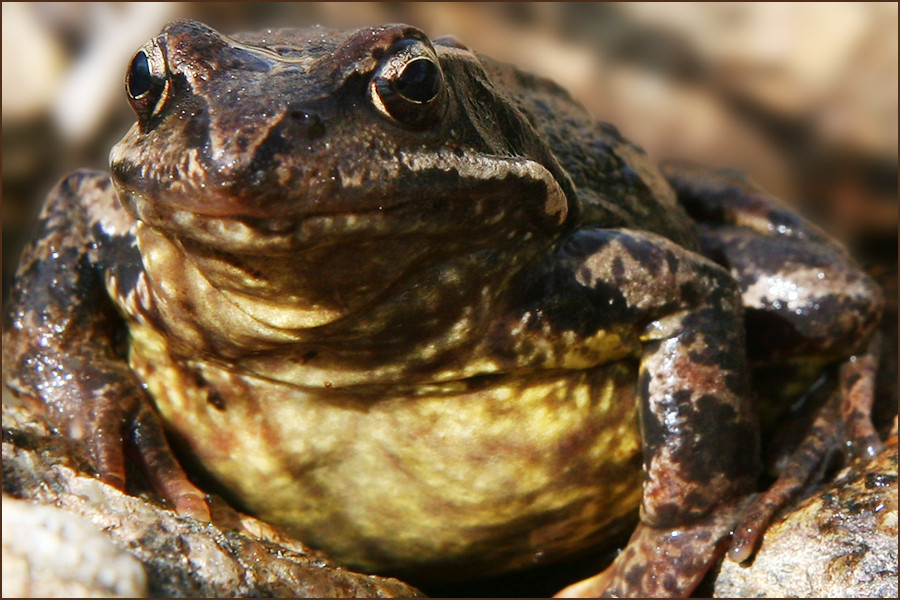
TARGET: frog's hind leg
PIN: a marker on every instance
(807, 306)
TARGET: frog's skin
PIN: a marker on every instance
(419, 309)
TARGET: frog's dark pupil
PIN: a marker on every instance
(139, 78)
(419, 81)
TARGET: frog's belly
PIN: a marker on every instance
(500, 477)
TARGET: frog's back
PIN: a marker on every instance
(616, 181)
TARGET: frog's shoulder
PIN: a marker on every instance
(86, 199)
(617, 183)
(83, 223)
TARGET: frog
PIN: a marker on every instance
(418, 308)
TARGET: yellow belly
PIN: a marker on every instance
(521, 470)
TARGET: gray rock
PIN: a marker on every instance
(839, 543)
(51, 553)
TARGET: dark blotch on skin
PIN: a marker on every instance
(281, 146)
(216, 399)
(634, 576)
(672, 262)
(852, 379)
(880, 480)
(783, 218)
(569, 305)
(314, 128)
(123, 256)
(196, 130)
(723, 429)
(669, 512)
(45, 293)
(645, 253)
(698, 501)
(720, 427)
(682, 397)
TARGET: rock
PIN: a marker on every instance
(839, 543)
(181, 556)
(51, 553)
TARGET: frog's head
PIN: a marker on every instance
(288, 139)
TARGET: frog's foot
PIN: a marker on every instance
(661, 562)
(843, 425)
(136, 425)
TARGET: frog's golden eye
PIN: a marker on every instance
(147, 81)
(407, 85)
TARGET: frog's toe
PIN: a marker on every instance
(804, 465)
(843, 425)
(592, 587)
(162, 468)
(857, 390)
(662, 562)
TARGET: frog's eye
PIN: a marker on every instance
(147, 82)
(407, 85)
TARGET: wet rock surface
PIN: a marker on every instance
(839, 543)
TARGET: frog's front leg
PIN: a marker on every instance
(699, 429)
(64, 343)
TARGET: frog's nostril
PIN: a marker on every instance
(311, 125)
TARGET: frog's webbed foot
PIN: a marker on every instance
(661, 562)
(843, 425)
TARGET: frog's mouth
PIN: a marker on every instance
(434, 194)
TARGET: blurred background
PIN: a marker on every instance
(801, 96)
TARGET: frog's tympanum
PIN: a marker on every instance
(421, 311)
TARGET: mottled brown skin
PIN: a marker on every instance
(419, 309)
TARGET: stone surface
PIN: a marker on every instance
(49, 552)
(839, 543)
(234, 556)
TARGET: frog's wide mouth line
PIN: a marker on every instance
(468, 187)
(265, 236)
